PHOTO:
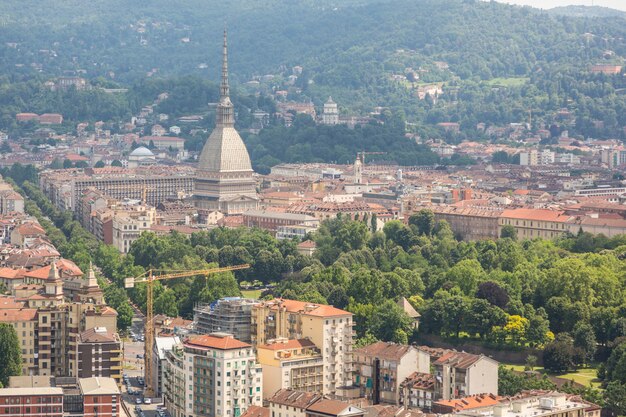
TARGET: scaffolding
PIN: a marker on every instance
(228, 315)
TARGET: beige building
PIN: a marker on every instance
(381, 367)
(49, 326)
(470, 223)
(295, 364)
(292, 403)
(525, 404)
(459, 374)
(129, 221)
(156, 183)
(329, 328)
(536, 223)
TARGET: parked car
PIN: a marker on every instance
(147, 401)
(140, 356)
(138, 401)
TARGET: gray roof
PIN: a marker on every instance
(9, 392)
(98, 386)
(164, 344)
(224, 151)
(141, 151)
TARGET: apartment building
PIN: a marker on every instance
(220, 374)
(67, 396)
(329, 328)
(32, 402)
(101, 397)
(524, 404)
(381, 367)
(162, 345)
(459, 374)
(293, 403)
(536, 223)
(99, 354)
(295, 364)
(48, 326)
(418, 391)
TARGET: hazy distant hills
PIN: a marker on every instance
(350, 46)
(587, 11)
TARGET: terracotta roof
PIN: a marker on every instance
(256, 411)
(288, 344)
(307, 244)
(294, 398)
(467, 403)
(108, 311)
(216, 342)
(310, 309)
(10, 273)
(420, 380)
(10, 316)
(30, 229)
(10, 303)
(384, 350)
(536, 214)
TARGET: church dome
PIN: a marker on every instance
(224, 151)
(141, 151)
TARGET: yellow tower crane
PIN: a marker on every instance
(149, 277)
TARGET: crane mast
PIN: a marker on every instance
(149, 278)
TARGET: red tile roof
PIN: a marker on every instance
(256, 411)
(467, 403)
(303, 307)
(10, 316)
(216, 342)
(458, 359)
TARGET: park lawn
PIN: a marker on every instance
(583, 376)
(251, 293)
(507, 82)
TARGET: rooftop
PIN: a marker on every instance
(98, 386)
(310, 309)
(384, 350)
(30, 391)
(220, 341)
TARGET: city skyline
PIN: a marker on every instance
(548, 4)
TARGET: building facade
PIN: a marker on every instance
(295, 364)
(231, 315)
(220, 377)
(329, 328)
(381, 367)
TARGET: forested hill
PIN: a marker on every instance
(350, 42)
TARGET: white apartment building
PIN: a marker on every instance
(220, 374)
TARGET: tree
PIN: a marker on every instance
(10, 354)
(5, 147)
(508, 231)
(585, 339)
(531, 362)
(165, 303)
(615, 397)
(558, 356)
(424, 221)
(99, 164)
(116, 163)
(390, 323)
(493, 293)
(67, 163)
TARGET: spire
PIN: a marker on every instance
(224, 88)
(91, 280)
(225, 113)
(53, 275)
